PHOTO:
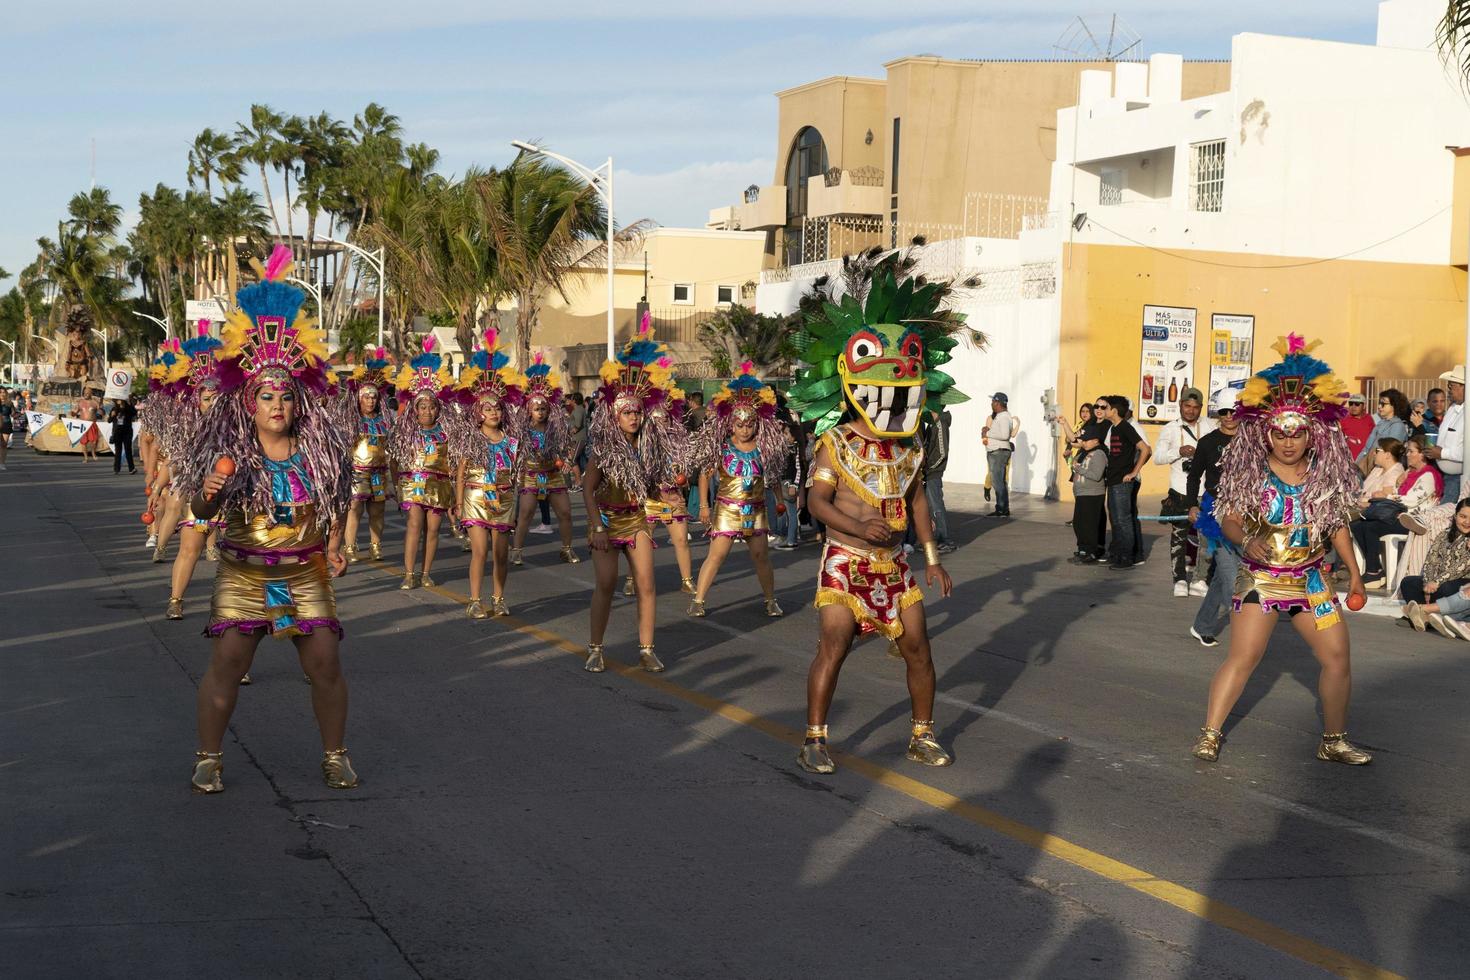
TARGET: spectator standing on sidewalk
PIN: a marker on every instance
(121, 417)
(1214, 612)
(1127, 453)
(9, 413)
(1358, 425)
(1178, 444)
(997, 436)
(1448, 452)
(936, 458)
(577, 429)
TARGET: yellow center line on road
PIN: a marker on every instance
(1195, 903)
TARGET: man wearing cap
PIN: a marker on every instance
(1178, 443)
(1449, 450)
(1204, 475)
(1358, 426)
(997, 436)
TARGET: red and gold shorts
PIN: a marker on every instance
(876, 586)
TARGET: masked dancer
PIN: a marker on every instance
(271, 457)
(873, 372)
(1287, 485)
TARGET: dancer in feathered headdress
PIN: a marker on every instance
(615, 488)
(271, 457)
(666, 440)
(422, 434)
(545, 446)
(370, 427)
(158, 419)
(742, 445)
(871, 372)
(1288, 483)
(485, 485)
(187, 390)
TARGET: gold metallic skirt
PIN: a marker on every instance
(370, 483)
(542, 482)
(289, 599)
(670, 507)
(624, 522)
(428, 489)
(738, 518)
(492, 507)
(203, 527)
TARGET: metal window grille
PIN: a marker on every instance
(1207, 175)
(1110, 191)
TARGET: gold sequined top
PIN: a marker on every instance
(739, 476)
(880, 471)
(432, 453)
(370, 450)
(261, 534)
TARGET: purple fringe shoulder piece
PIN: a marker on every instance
(1331, 486)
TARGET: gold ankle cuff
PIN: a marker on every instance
(648, 660)
(918, 728)
(816, 731)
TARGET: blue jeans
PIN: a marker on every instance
(1214, 611)
(934, 493)
(1451, 488)
(1120, 514)
(997, 460)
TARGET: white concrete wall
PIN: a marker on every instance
(1020, 359)
(1331, 149)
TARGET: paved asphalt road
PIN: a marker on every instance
(521, 818)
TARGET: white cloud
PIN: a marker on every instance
(684, 197)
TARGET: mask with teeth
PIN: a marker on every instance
(878, 358)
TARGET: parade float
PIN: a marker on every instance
(78, 371)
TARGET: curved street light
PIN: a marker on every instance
(377, 259)
(602, 183)
(162, 323)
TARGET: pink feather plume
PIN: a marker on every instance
(275, 266)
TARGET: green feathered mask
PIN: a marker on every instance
(880, 357)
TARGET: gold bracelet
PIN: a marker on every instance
(931, 553)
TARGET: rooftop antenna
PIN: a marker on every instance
(1099, 37)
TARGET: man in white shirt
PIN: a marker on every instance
(1449, 448)
(997, 436)
(1177, 443)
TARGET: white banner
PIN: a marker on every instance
(73, 428)
(119, 383)
(204, 309)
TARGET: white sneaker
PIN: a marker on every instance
(541, 529)
(1442, 626)
(1200, 588)
(1458, 626)
(1181, 590)
(152, 541)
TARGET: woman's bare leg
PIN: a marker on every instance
(500, 544)
(1335, 679)
(523, 518)
(376, 512)
(220, 685)
(718, 549)
(411, 537)
(191, 546)
(319, 660)
(1250, 631)
(640, 561)
(760, 556)
(561, 506)
(432, 520)
(679, 537)
(605, 577)
(479, 548)
(349, 530)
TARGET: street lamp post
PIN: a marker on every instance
(378, 260)
(602, 183)
(12, 359)
(162, 323)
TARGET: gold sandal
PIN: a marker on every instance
(209, 771)
(337, 771)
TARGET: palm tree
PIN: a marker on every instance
(739, 333)
(255, 142)
(209, 154)
(395, 227)
(545, 221)
(321, 151)
(93, 214)
(285, 154)
(457, 242)
(1454, 34)
(238, 216)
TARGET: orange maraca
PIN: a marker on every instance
(147, 517)
(1356, 601)
(224, 466)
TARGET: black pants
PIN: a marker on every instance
(123, 445)
(1181, 551)
(1412, 589)
(1090, 524)
(1369, 535)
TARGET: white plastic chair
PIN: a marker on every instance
(1393, 549)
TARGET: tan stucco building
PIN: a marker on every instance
(944, 148)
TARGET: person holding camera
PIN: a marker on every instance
(1178, 443)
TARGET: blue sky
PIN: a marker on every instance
(682, 100)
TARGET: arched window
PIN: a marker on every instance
(808, 159)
